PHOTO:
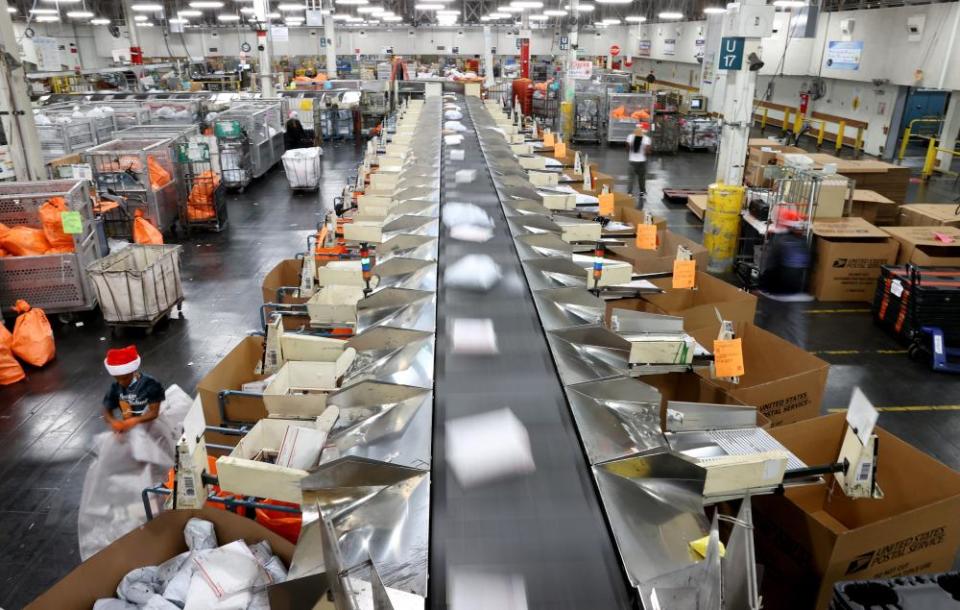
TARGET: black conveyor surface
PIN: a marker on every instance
(546, 527)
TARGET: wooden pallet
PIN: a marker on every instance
(681, 195)
(697, 204)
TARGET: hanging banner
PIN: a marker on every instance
(844, 54)
(580, 70)
(669, 46)
(48, 53)
(643, 48)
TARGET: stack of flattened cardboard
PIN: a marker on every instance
(927, 246)
(929, 215)
(849, 254)
(812, 536)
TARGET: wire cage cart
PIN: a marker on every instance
(104, 121)
(57, 283)
(60, 139)
(127, 114)
(791, 205)
(374, 104)
(138, 286)
(545, 104)
(665, 135)
(261, 127)
(626, 111)
(205, 206)
(588, 111)
(236, 169)
(333, 115)
(170, 111)
(699, 133)
(139, 175)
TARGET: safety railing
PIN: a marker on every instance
(930, 160)
(910, 132)
(792, 119)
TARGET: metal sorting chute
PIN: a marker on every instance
(397, 355)
(565, 307)
(542, 245)
(399, 307)
(402, 272)
(409, 246)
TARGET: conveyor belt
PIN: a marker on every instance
(546, 527)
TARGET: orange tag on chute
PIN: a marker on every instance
(728, 358)
(548, 140)
(684, 274)
(560, 150)
(646, 236)
(606, 204)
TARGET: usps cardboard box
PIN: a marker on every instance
(849, 254)
(920, 245)
(930, 215)
(872, 207)
(697, 307)
(300, 388)
(784, 382)
(810, 537)
(688, 387)
(149, 545)
(238, 367)
(661, 259)
(284, 273)
(272, 458)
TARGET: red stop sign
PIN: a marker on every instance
(614, 49)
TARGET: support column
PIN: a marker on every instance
(488, 56)
(949, 130)
(16, 112)
(568, 84)
(136, 51)
(330, 34)
(261, 8)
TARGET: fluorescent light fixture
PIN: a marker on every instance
(613, 1)
(44, 11)
(274, 15)
(46, 18)
(714, 10)
(247, 10)
(509, 9)
(65, 1)
(353, 2)
(79, 14)
(635, 18)
(11, 10)
(555, 12)
(189, 13)
(288, 7)
(527, 3)
(599, 24)
(539, 17)
(146, 8)
(140, 18)
(611, 21)
(789, 3)
(144, 24)
(583, 7)
(392, 18)
(100, 21)
(180, 20)
(206, 4)
(364, 10)
(228, 17)
(429, 6)
(448, 13)
(352, 19)
(670, 15)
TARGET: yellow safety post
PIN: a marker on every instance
(820, 134)
(566, 120)
(786, 119)
(797, 123)
(904, 143)
(763, 119)
(858, 143)
(841, 129)
(721, 225)
(930, 161)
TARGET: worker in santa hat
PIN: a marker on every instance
(134, 397)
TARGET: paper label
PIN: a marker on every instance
(861, 415)
(606, 209)
(896, 288)
(548, 140)
(72, 222)
(560, 150)
(727, 356)
(646, 236)
(685, 275)
(82, 171)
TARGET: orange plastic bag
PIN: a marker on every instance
(32, 335)
(287, 525)
(23, 241)
(53, 225)
(6, 339)
(620, 112)
(159, 176)
(144, 232)
(200, 204)
(10, 369)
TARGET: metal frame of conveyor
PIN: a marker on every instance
(544, 530)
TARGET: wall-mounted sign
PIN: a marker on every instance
(643, 48)
(564, 43)
(844, 54)
(279, 33)
(614, 50)
(314, 17)
(580, 70)
(48, 53)
(669, 46)
(731, 52)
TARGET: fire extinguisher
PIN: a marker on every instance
(804, 102)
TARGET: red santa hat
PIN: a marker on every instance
(122, 361)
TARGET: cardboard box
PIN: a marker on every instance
(340, 273)
(661, 259)
(929, 215)
(696, 307)
(784, 382)
(285, 273)
(849, 254)
(625, 210)
(300, 388)
(150, 545)
(918, 245)
(809, 538)
(872, 206)
(235, 369)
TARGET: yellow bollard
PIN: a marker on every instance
(930, 161)
(820, 134)
(721, 225)
(903, 145)
(841, 128)
(786, 119)
(797, 123)
(763, 120)
(858, 143)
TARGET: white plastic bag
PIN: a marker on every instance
(473, 272)
(453, 115)
(112, 603)
(456, 213)
(224, 578)
(302, 167)
(454, 126)
(126, 464)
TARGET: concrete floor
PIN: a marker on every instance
(47, 422)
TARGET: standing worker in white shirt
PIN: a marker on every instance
(638, 147)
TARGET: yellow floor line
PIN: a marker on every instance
(908, 409)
